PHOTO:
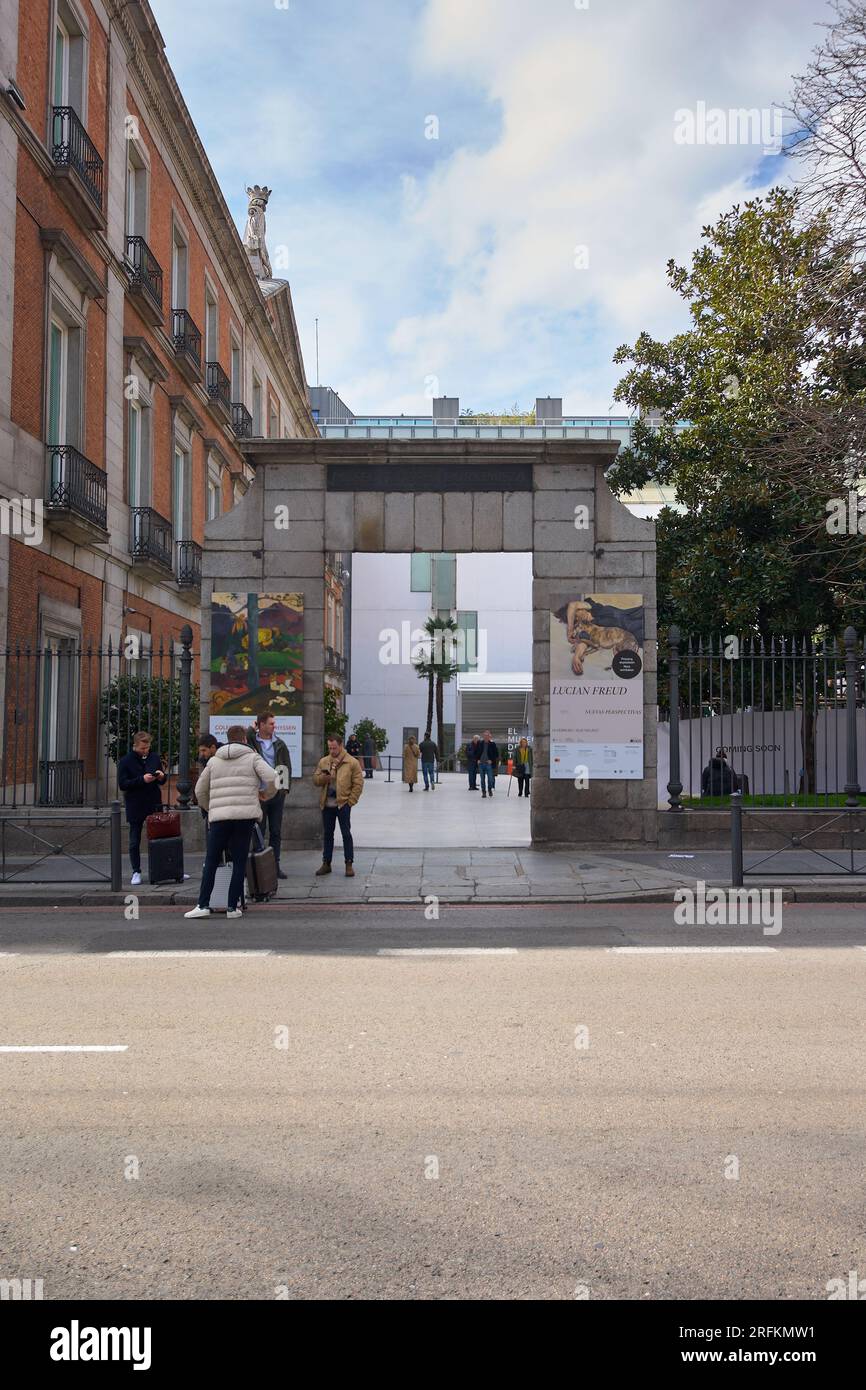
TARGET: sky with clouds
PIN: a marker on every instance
(508, 257)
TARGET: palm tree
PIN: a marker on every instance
(437, 668)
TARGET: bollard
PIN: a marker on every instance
(852, 662)
(737, 839)
(675, 785)
(116, 849)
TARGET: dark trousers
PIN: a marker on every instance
(473, 772)
(368, 766)
(234, 836)
(135, 828)
(272, 821)
(330, 816)
(523, 780)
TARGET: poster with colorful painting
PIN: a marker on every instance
(596, 686)
(257, 664)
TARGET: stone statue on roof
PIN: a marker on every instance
(255, 231)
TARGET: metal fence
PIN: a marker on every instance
(786, 713)
(70, 712)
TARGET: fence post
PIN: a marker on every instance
(852, 785)
(184, 783)
(675, 786)
(737, 839)
(116, 849)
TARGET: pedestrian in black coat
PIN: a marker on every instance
(140, 776)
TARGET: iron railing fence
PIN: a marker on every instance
(70, 712)
(787, 713)
(72, 148)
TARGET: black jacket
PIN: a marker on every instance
(717, 779)
(141, 797)
(473, 751)
(492, 753)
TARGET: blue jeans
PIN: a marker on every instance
(428, 770)
(330, 816)
(487, 777)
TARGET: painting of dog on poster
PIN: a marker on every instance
(596, 685)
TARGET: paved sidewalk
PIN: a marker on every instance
(468, 876)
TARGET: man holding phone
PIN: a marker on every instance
(140, 776)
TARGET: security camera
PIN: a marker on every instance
(15, 94)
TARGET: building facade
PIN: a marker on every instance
(142, 341)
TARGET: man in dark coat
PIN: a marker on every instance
(369, 755)
(473, 753)
(140, 777)
(717, 779)
(488, 763)
(353, 746)
(262, 739)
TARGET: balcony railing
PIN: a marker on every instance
(242, 420)
(219, 388)
(335, 662)
(72, 148)
(61, 783)
(187, 338)
(146, 271)
(75, 485)
(150, 537)
(188, 564)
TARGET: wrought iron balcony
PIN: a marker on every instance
(219, 388)
(242, 420)
(73, 152)
(150, 540)
(188, 564)
(76, 494)
(145, 276)
(187, 343)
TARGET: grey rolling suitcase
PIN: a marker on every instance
(219, 898)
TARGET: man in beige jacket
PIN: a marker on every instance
(231, 789)
(341, 780)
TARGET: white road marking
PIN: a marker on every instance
(71, 1047)
(690, 950)
(447, 951)
(176, 955)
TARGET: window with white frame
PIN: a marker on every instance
(69, 61)
(63, 405)
(181, 512)
(136, 191)
(211, 324)
(273, 419)
(257, 406)
(138, 452)
(179, 268)
(237, 370)
(214, 488)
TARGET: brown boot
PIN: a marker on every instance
(325, 869)
(350, 872)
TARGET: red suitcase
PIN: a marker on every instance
(163, 825)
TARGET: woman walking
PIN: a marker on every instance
(411, 754)
(523, 766)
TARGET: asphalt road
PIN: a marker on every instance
(324, 1121)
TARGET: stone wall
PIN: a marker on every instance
(245, 551)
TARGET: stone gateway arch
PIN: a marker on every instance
(547, 496)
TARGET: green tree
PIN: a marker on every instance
(367, 727)
(770, 363)
(437, 667)
(335, 718)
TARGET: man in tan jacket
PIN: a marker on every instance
(340, 777)
(231, 789)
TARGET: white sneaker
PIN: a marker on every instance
(235, 912)
(198, 912)
(135, 880)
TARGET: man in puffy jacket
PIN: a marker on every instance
(229, 790)
(140, 777)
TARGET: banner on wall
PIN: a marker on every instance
(257, 664)
(596, 686)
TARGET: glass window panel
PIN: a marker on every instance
(421, 570)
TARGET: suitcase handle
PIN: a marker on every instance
(260, 837)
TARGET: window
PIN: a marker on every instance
(179, 269)
(467, 641)
(211, 325)
(68, 79)
(214, 489)
(273, 419)
(138, 454)
(421, 573)
(59, 713)
(257, 406)
(136, 192)
(64, 396)
(444, 585)
(237, 388)
(181, 516)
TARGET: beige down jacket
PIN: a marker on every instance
(228, 788)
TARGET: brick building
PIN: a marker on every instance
(140, 344)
